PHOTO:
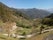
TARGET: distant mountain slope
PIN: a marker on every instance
(50, 10)
(35, 13)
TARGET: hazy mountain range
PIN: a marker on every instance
(50, 10)
(7, 12)
(35, 13)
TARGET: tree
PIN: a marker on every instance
(41, 28)
(8, 28)
(24, 33)
(1, 26)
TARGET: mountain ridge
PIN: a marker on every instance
(35, 13)
(25, 13)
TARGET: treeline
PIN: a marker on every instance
(47, 21)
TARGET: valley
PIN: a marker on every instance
(24, 24)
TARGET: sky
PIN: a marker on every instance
(40, 4)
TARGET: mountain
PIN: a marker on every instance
(50, 10)
(35, 13)
(21, 16)
(7, 13)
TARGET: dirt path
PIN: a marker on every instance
(30, 35)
